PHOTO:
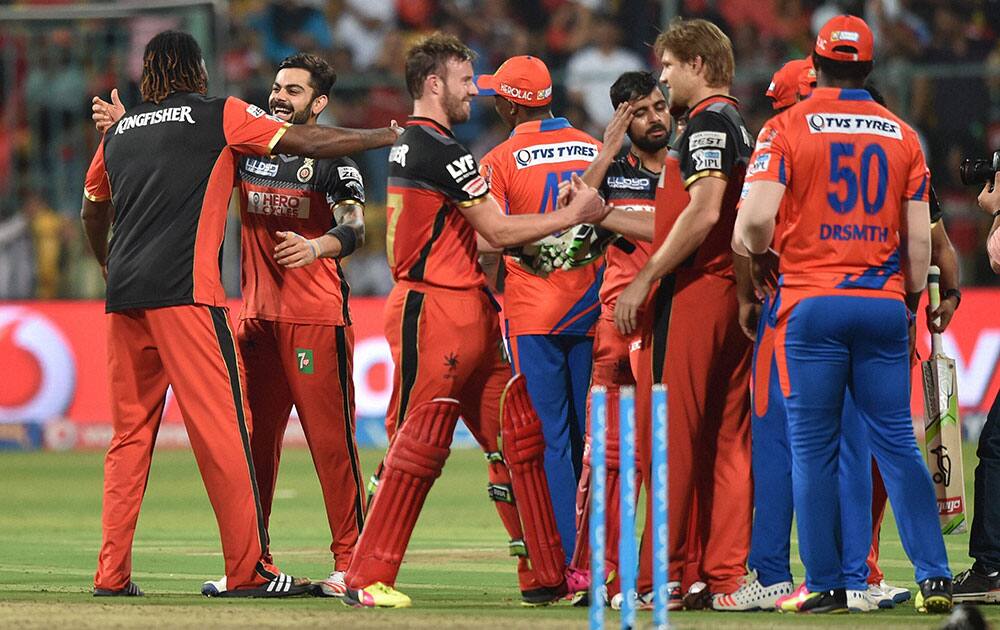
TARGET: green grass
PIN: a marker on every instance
(456, 570)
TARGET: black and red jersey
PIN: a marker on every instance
(168, 169)
(630, 187)
(431, 176)
(715, 143)
(290, 193)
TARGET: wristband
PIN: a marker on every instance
(314, 247)
(996, 213)
(955, 293)
(348, 239)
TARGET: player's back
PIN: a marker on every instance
(849, 166)
(170, 167)
(524, 173)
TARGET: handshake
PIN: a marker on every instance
(575, 247)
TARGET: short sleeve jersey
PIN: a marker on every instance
(289, 193)
(630, 187)
(428, 239)
(849, 166)
(524, 173)
(715, 143)
(168, 170)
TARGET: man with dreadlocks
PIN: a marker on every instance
(170, 165)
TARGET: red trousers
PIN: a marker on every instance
(192, 349)
(310, 366)
(695, 346)
(445, 344)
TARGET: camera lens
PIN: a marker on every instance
(976, 172)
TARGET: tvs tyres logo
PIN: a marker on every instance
(40, 369)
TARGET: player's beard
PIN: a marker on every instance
(651, 145)
(456, 108)
(298, 116)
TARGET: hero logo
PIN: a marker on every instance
(278, 205)
(854, 124)
(844, 36)
(703, 139)
(460, 168)
(398, 154)
(40, 367)
(554, 153)
(707, 159)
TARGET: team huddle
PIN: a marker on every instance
(768, 284)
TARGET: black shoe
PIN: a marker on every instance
(543, 596)
(825, 602)
(280, 586)
(976, 585)
(131, 590)
(934, 596)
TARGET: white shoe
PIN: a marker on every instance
(880, 597)
(861, 601)
(752, 595)
(898, 594)
(334, 585)
(211, 588)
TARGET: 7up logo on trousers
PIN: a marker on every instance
(304, 356)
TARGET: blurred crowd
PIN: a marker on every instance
(938, 62)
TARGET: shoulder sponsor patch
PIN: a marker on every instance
(554, 153)
(853, 124)
(760, 164)
(707, 160)
(704, 139)
(461, 168)
(348, 172)
(255, 111)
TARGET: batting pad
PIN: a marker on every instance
(524, 451)
(415, 459)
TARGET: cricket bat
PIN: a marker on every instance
(942, 430)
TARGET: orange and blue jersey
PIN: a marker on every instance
(855, 166)
(849, 167)
(524, 173)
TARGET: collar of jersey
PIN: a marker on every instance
(705, 102)
(429, 122)
(634, 160)
(536, 126)
(840, 94)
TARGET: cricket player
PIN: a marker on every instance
(688, 333)
(170, 165)
(548, 321)
(628, 183)
(444, 332)
(290, 317)
(856, 236)
(300, 218)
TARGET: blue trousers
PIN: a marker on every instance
(835, 344)
(557, 371)
(772, 474)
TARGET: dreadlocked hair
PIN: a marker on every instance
(171, 63)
